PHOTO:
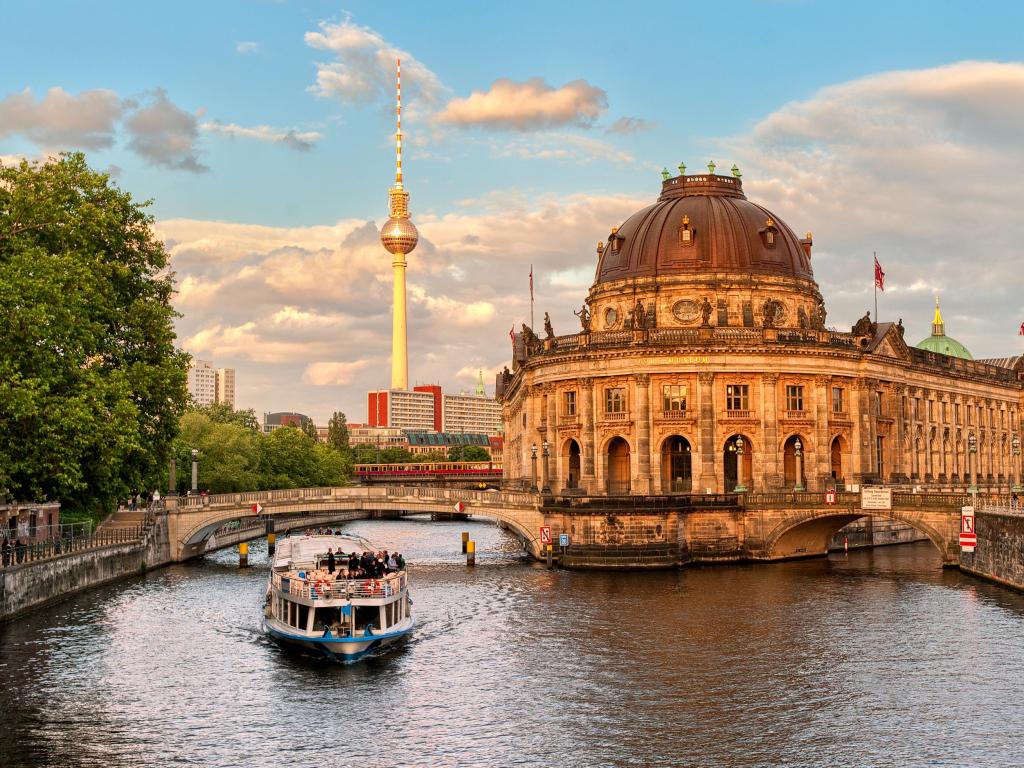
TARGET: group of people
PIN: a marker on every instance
(13, 551)
(368, 565)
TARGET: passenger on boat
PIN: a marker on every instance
(330, 560)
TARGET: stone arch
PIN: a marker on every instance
(734, 470)
(618, 454)
(806, 533)
(571, 458)
(676, 464)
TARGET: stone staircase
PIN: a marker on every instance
(123, 518)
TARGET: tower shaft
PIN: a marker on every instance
(399, 329)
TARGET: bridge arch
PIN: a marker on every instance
(807, 532)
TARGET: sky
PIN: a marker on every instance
(263, 134)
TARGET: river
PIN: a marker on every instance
(874, 658)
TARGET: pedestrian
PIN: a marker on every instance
(330, 560)
(6, 551)
(19, 551)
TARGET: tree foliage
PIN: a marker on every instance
(309, 429)
(468, 453)
(337, 433)
(91, 385)
(221, 413)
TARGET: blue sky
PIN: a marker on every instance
(246, 209)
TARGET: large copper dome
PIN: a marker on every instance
(726, 234)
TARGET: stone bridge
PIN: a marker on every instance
(627, 532)
(192, 520)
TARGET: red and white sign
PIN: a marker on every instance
(459, 507)
(256, 508)
(545, 534)
(968, 536)
(830, 497)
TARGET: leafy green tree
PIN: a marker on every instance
(309, 429)
(333, 467)
(468, 453)
(394, 455)
(228, 460)
(222, 413)
(364, 453)
(337, 433)
(91, 385)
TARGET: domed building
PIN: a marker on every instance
(703, 364)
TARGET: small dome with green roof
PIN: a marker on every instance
(940, 342)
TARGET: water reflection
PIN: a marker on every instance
(875, 658)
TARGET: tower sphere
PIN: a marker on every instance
(399, 236)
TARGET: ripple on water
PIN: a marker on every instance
(876, 658)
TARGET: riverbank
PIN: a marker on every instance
(999, 555)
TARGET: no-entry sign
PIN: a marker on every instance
(968, 536)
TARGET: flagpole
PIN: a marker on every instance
(531, 297)
(874, 279)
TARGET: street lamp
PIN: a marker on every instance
(195, 470)
(972, 457)
(1015, 445)
(799, 449)
(533, 465)
(739, 487)
(545, 485)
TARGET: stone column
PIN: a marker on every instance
(551, 435)
(706, 431)
(817, 465)
(643, 433)
(588, 479)
(899, 432)
(772, 477)
(860, 415)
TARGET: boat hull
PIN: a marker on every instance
(345, 649)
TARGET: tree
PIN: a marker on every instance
(228, 454)
(337, 433)
(309, 429)
(91, 385)
(221, 413)
(468, 453)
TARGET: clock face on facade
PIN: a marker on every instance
(611, 317)
(686, 311)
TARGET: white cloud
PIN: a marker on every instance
(60, 120)
(247, 46)
(164, 134)
(363, 70)
(922, 166)
(530, 105)
(628, 125)
(300, 140)
(324, 374)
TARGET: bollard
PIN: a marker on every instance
(243, 555)
(550, 556)
(271, 543)
(465, 540)
(470, 553)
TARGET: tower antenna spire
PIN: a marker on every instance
(398, 123)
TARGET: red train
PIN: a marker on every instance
(438, 469)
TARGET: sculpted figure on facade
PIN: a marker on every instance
(801, 317)
(549, 331)
(864, 326)
(705, 312)
(584, 316)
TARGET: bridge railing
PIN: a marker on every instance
(457, 494)
(16, 554)
(341, 589)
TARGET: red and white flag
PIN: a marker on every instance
(531, 282)
(1022, 329)
(879, 275)
(512, 334)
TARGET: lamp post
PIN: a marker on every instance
(195, 470)
(1015, 447)
(799, 449)
(972, 457)
(740, 487)
(533, 465)
(545, 484)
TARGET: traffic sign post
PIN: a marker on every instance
(968, 535)
(545, 535)
(563, 540)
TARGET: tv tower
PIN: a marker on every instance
(399, 237)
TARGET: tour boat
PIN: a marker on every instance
(342, 619)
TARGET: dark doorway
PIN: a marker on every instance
(676, 465)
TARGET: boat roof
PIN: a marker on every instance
(304, 549)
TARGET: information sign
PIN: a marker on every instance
(875, 497)
(563, 539)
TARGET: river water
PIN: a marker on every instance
(877, 658)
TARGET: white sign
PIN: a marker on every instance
(545, 534)
(257, 508)
(563, 539)
(875, 497)
(830, 497)
(968, 535)
(459, 507)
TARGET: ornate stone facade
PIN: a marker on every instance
(731, 378)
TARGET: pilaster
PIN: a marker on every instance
(643, 433)
(706, 429)
(772, 473)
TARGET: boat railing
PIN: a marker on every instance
(341, 589)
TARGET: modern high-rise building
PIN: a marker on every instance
(225, 387)
(202, 382)
(400, 408)
(399, 237)
(471, 413)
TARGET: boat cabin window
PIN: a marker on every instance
(367, 614)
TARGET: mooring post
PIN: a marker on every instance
(470, 553)
(550, 556)
(243, 555)
(271, 543)
(465, 540)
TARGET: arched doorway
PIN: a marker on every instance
(738, 460)
(676, 465)
(571, 461)
(618, 466)
(836, 460)
(789, 462)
